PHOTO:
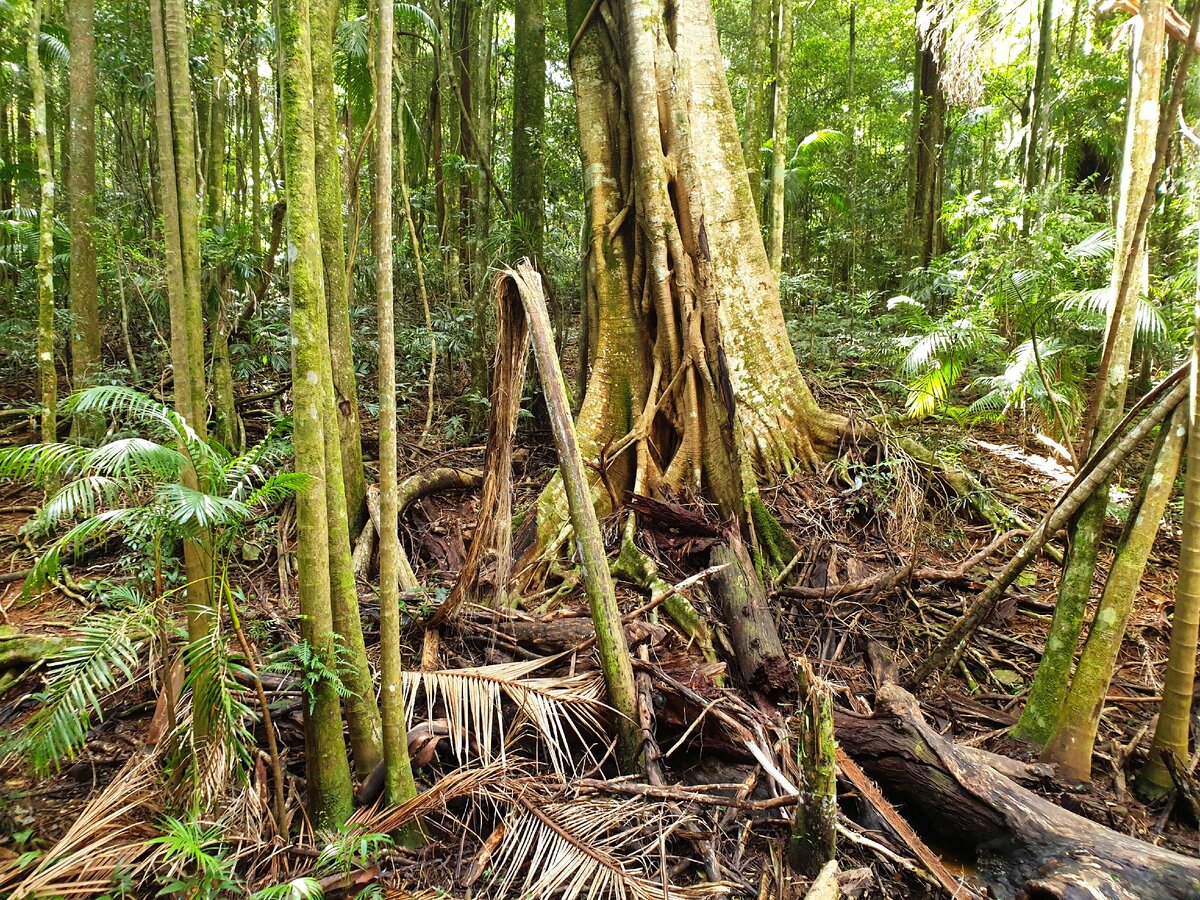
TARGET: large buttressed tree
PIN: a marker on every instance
(693, 386)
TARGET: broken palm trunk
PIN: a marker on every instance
(814, 829)
(1023, 845)
(521, 301)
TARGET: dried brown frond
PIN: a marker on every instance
(556, 709)
(594, 848)
(109, 835)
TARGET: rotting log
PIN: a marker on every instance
(761, 660)
(1023, 845)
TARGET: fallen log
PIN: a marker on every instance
(1023, 845)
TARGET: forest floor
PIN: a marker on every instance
(862, 516)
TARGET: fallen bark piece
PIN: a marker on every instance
(825, 886)
(1024, 845)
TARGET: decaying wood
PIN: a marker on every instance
(487, 571)
(1023, 845)
(762, 663)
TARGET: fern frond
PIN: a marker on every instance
(931, 388)
(1097, 245)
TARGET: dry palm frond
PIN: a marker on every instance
(110, 834)
(480, 781)
(556, 709)
(593, 848)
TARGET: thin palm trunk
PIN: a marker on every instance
(47, 371)
(1070, 747)
(779, 132)
(398, 779)
(1049, 688)
(329, 784)
(81, 194)
(1175, 712)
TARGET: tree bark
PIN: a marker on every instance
(758, 92)
(779, 133)
(81, 200)
(529, 115)
(694, 384)
(333, 255)
(1050, 684)
(46, 367)
(1023, 845)
(1175, 713)
(1075, 734)
(329, 784)
(398, 785)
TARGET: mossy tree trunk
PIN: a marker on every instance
(333, 255)
(1175, 713)
(1039, 718)
(340, 431)
(47, 370)
(398, 783)
(81, 195)
(1071, 745)
(328, 770)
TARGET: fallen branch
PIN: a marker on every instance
(1095, 472)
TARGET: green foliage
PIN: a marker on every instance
(103, 657)
(313, 667)
(196, 864)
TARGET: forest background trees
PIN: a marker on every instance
(288, 215)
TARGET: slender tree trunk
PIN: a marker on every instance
(398, 779)
(333, 254)
(1175, 713)
(329, 784)
(1037, 125)
(184, 136)
(362, 711)
(758, 93)
(1071, 745)
(1039, 718)
(214, 145)
(929, 136)
(47, 371)
(779, 133)
(529, 102)
(81, 197)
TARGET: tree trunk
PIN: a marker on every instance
(1049, 687)
(1022, 844)
(758, 92)
(1072, 742)
(779, 133)
(47, 370)
(529, 102)
(1037, 124)
(1175, 713)
(694, 384)
(929, 137)
(214, 145)
(398, 783)
(81, 199)
(328, 770)
(333, 254)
